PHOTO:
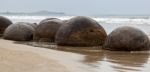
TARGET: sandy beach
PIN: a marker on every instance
(46, 57)
(23, 58)
(15, 57)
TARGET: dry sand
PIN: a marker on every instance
(23, 58)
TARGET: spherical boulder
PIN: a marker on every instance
(20, 31)
(46, 30)
(127, 39)
(4, 23)
(81, 31)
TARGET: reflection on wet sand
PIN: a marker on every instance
(102, 60)
(125, 61)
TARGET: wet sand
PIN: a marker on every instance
(94, 59)
(20, 61)
(23, 58)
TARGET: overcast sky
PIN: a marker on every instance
(79, 7)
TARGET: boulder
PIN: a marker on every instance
(4, 23)
(127, 39)
(46, 30)
(20, 31)
(81, 31)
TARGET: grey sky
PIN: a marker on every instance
(79, 7)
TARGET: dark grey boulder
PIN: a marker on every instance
(20, 31)
(4, 23)
(127, 39)
(47, 29)
(81, 31)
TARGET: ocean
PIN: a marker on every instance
(107, 61)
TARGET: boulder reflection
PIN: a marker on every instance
(126, 61)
